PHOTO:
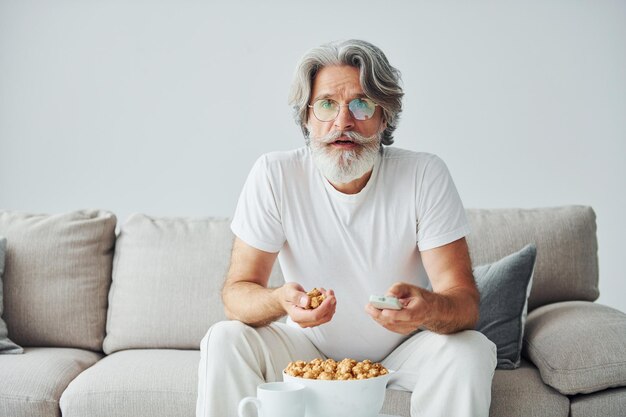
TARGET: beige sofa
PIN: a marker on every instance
(111, 323)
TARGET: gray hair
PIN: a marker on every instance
(379, 80)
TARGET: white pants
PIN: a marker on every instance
(448, 375)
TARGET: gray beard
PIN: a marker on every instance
(343, 166)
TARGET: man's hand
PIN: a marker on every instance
(413, 314)
(450, 307)
(294, 300)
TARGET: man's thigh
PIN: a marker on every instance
(287, 344)
(271, 347)
(428, 355)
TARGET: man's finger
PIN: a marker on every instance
(293, 293)
(299, 298)
(399, 290)
(373, 311)
(303, 301)
(329, 299)
(402, 290)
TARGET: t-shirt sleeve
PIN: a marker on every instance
(257, 218)
(440, 214)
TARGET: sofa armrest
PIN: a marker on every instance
(578, 346)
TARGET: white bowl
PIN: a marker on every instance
(358, 398)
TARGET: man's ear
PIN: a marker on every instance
(383, 125)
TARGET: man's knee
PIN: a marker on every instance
(224, 334)
(470, 349)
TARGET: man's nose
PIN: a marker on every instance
(344, 120)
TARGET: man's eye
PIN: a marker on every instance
(359, 104)
(326, 104)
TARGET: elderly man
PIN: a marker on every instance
(354, 217)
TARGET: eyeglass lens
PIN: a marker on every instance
(360, 108)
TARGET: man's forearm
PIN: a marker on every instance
(251, 303)
(452, 311)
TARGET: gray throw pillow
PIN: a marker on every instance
(504, 288)
(6, 346)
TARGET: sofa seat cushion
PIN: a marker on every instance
(31, 383)
(522, 393)
(57, 277)
(138, 383)
(607, 403)
(578, 346)
(514, 393)
(397, 403)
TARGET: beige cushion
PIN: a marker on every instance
(57, 277)
(31, 384)
(578, 346)
(167, 278)
(567, 248)
(137, 383)
(607, 403)
(522, 393)
(514, 393)
(397, 403)
(163, 383)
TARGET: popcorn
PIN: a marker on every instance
(315, 298)
(347, 369)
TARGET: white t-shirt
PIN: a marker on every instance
(356, 244)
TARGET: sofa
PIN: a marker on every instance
(110, 317)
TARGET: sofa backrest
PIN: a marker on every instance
(57, 277)
(168, 272)
(566, 268)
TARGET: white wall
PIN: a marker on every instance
(162, 106)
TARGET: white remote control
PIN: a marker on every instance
(385, 302)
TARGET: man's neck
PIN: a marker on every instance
(354, 186)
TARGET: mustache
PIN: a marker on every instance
(355, 137)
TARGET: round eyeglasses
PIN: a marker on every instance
(327, 110)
